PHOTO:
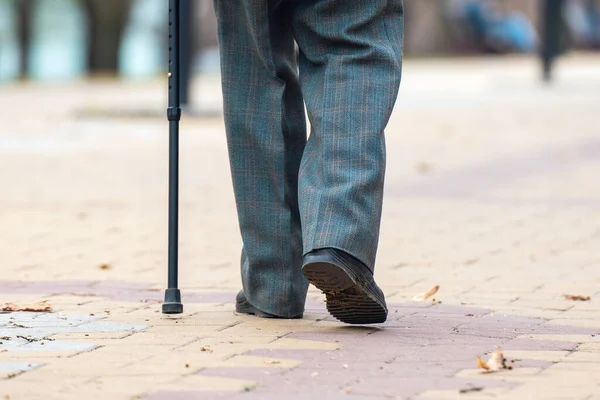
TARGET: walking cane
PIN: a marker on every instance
(172, 304)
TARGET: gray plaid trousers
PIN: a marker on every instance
(295, 195)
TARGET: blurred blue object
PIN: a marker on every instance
(59, 40)
(508, 32)
(143, 50)
(583, 21)
(10, 52)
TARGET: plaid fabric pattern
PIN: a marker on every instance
(295, 194)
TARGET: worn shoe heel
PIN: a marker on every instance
(349, 298)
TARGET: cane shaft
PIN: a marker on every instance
(174, 115)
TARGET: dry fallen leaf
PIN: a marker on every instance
(482, 364)
(206, 348)
(427, 295)
(36, 307)
(3, 351)
(495, 363)
(497, 360)
(577, 297)
(104, 266)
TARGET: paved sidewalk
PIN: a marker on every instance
(492, 194)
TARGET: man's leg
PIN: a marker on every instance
(266, 135)
(350, 70)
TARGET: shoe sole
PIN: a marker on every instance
(346, 299)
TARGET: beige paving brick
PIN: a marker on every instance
(261, 340)
(579, 314)
(171, 364)
(516, 374)
(215, 349)
(17, 389)
(174, 338)
(584, 356)
(200, 382)
(48, 377)
(137, 351)
(95, 337)
(64, 368)
(550, 392)
(552, 356)
(593, 347)
(243, 330)
(253, 361)
(593, 305)
(288, 343)
(126, 387)
(582, 323)
(562, 338)
(214, 318)
(95, 393)
(189, 329)
(277, 324)
(543, 303)
(531, 312)
(590, 367)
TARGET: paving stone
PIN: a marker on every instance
(186, 395)
(567, 338)
(524, 344)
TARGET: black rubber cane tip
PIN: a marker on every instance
(172, 304)
(172, 308)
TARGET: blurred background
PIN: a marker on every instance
(43, 40)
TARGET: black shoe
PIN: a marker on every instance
(244, 307)
(352, 295)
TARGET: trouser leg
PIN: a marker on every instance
(266, 136)
(350, 71)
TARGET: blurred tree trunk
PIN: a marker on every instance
(107, 22)
(426, 28)
(23, 12)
